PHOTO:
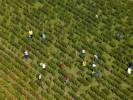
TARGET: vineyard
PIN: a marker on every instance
(97, 27)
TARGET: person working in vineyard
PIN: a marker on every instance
(130, 67)
(83, 51)
(84, 63)
(95, 57)
(43, 36)
(39, 77)
(94, 61)
(30, 35)
(61, 65)
(97, 16)
(67, 79)
(93, 65)
(96, 74)
(82, 54)
(118, 35)
(26, 54)
(43, 65)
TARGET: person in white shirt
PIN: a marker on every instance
(26, 54)
(43, 37)
(82, 54)
(93, 65)
(129, 70)
(43, 65)
(39, 77)
(130, 67)
(83, 51)
(95, 56)
(97, 16)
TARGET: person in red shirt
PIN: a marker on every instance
(61, 65)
